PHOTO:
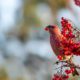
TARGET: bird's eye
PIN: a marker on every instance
(51, 26)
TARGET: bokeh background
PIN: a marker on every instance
(25, 52)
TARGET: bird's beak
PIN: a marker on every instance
(47, 29)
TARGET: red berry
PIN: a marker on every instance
(60, 77)
(60, 57)
(72, 69)
(68, 71)
(66, 76)
(77, 2)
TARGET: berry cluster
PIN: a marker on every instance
(77, 2)
(63, 76)
(60, 77)
(70, 45)
(69, 71)
(67, 29)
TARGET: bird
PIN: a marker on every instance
(55, 40)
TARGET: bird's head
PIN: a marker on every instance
(53, 29)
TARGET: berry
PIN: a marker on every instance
(77, 2)
(60, 57)
(68, 71)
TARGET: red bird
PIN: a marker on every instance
(55, 40)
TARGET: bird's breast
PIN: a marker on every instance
(55, 44)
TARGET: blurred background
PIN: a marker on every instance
(25, 52)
